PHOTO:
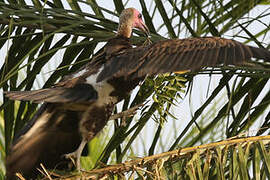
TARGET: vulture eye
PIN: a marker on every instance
(140, 16)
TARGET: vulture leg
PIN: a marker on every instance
(77, 154)
(89, 130)
(93, 121)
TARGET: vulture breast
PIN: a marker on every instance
(103, 88)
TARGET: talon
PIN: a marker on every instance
(71, 156)
(76, 155)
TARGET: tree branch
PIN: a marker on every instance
(171, 156)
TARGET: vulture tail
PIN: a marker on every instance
(50, 134)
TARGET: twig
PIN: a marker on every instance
(48, 175)
(20, 176)
(126, 113)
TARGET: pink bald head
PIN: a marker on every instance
(131, 18)
(138, 22)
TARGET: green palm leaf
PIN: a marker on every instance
(41, 41)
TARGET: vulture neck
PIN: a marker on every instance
(124, 30)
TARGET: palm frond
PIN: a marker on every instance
(41, 41)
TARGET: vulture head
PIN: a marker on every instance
(131, 18)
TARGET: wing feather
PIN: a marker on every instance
(179, 55)
(76, 94)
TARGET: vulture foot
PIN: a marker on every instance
(126, 113)
(76, 155)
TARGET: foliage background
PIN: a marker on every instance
(42, 40)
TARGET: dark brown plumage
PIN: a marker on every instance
(178, 55)
(79, 106)
(78, 93)
(58, 135)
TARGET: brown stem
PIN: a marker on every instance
(174, 155)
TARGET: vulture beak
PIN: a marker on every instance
(144, 29)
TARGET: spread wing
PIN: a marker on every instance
(76, 94)
(178, 55)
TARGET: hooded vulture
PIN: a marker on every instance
(79, 106)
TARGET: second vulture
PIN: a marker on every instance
(79, 106)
